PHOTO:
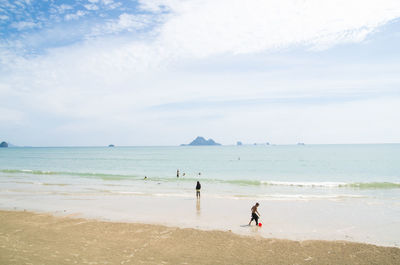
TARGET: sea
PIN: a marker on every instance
(353, 190)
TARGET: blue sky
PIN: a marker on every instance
(161, 72)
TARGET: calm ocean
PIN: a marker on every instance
(269, 172)
(335, 192)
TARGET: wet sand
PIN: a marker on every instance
(353, 220)
(31, 238)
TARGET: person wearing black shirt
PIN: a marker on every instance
(198, 187)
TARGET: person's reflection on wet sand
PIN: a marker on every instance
(198, 207)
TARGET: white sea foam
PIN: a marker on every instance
(305, 184)
(290, 197)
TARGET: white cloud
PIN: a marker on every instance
(203, 28)
(157, 6)
(108, 2)
(75, 16)
(112, 84)
(125, 22)
(62, 8)
(111, 4)
(24, 25)
(11, 116)
(91, 7)
(22, 3)
(367, 121)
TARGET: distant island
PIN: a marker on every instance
(111, 145)
(3, 144)
(201, 141)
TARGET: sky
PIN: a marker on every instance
(162, 72)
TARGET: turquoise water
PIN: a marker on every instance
(333, 192)
(274, 172)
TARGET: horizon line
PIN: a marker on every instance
(187, 145)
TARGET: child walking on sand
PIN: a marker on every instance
(254, 213)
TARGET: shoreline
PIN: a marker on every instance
(292, 220)
(311, 193)
(36, 238)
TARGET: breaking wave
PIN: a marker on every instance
(241, 182)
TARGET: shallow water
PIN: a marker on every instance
(330, 188)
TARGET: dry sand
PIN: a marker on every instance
(30, 238)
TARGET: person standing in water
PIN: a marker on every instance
(198, 188)
(177, 173)
(254, 213)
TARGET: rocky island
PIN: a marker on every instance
(201, 141)
(3, 144)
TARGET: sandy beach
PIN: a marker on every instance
(32, 238)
